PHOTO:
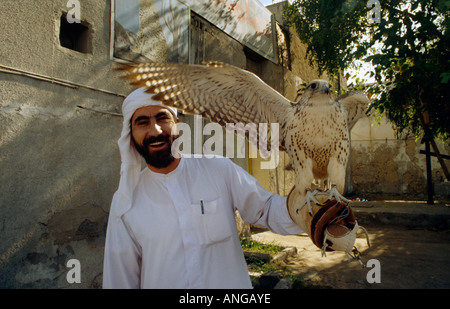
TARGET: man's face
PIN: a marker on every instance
(151, 132)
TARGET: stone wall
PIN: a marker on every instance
(387, 165)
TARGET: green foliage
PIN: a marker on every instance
(322, 25)
(254, 246)
(255, 264)
(260, 266)
(408, 48)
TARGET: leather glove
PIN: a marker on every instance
(332, 226)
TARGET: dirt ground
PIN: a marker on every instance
(410, 258)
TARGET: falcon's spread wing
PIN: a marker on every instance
(356, 104)
(221, 92)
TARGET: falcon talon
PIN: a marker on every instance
(355, 257)
(334, 193)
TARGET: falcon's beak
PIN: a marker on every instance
(325, 89)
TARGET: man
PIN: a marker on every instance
(172, 224)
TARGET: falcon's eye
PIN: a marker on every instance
(313, 86)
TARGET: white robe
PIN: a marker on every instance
(167, 239)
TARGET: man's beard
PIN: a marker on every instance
(159, 158)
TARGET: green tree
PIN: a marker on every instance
(408, 46)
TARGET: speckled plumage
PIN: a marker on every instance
(314, 132)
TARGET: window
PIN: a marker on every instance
(75, 36)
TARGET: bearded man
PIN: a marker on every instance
(172, 224)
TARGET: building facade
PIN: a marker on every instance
(60, 115)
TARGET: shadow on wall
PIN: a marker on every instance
(60, 168)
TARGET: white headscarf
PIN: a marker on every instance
(131, 160)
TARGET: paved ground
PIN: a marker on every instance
(411, 240)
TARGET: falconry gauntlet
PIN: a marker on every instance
(332, 226)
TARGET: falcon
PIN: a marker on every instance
(314, 131)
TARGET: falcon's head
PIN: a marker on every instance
(316, 89)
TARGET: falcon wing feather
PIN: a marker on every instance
(356, 105)
(221, 92)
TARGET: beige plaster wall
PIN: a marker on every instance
(59, 162)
